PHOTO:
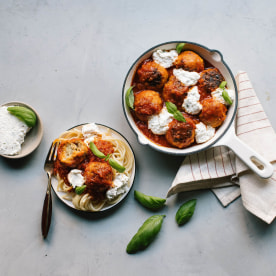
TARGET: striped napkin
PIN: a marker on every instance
(219, 169)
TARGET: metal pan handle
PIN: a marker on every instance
(250, 157)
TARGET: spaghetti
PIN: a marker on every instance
(101, 183)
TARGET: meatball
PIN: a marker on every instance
(213, 112)
(98, 179)
(174, 91)
(210, 80)
(72, 152)
(189, 61)
(147, 103)
(181, 134)
(152, 75)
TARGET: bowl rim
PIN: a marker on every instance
(176, 151)
(39, 136)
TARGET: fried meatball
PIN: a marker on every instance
(98, 179)
(174, 91)
(181, 134)
(72, 152)
(152, 75)
(213, 112)
(189, 61)
(210, 80)
(147, 103)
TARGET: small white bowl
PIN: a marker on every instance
(33, 137)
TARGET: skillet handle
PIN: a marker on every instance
(250, 157)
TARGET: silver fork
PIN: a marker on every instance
(47, 205)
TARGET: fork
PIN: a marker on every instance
(47, 205)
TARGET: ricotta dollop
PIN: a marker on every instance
(159, 124)
(75, 178)
(186, 77)
(12, 132)
(203, 133)
(120, 187)
(217, 94)
(191, 102)
(165, 58)
(89, 132)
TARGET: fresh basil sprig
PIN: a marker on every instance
(80, 189)
(179, 47)
(24, 114)
(130, 98)
(225, 95)
(171, 107)
(150, 202)
(145, 234)
(185, 212)
(113, 163)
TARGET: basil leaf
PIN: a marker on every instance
(226, 97)
(179, 47)
(222, 84)
(179, 116)
(95, 150)
(185, 212)
(80, 189)
(150, 202)
(130, 98)
(24, 114)
(145, 234)
(114, 164)
(171, 107)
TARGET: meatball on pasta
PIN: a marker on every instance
(189, 61)
(152, 75)
(174, 91)
(210, 79)
(72, 152)
(213, 112)
(181, 134)
(147, 103)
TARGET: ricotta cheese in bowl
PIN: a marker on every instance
(17, 139)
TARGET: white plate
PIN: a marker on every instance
(60, 195)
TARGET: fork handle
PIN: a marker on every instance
(47, 210)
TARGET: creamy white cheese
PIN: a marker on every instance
(186, 77)
(120, 187)
(89, 132)
(217, 94)
(165, 58)
(12, 132)
(75, 178)
(203, 133)
(159, 124)
(191, 102)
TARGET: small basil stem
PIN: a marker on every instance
(226, 97)
(222, 84)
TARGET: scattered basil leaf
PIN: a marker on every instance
(24, 114)
(222, 84)
(80, 189)
(226, 97)
(172, 108)
(185, 212)
(114, 164)
(95, 150)
(145, 234)
(179, 47)
(150, 202)
(130, 98)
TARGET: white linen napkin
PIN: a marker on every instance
(220, 170)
